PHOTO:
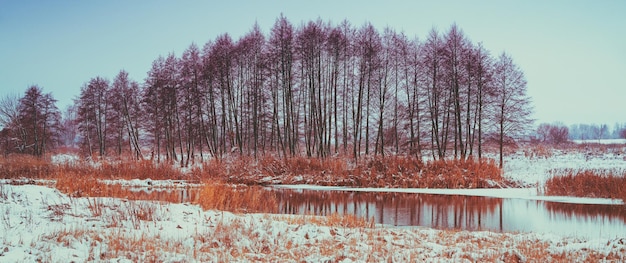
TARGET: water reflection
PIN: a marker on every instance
(177, 195)
(460, 212)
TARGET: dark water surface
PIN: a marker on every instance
(461, 212)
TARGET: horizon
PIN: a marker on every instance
(570, 51)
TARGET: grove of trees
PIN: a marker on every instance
(315, 90)
(553, 133)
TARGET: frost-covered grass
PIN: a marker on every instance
(535, 165)
(40, 223)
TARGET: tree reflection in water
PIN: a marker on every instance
(459, 212)
(399, 209)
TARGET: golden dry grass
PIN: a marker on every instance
(394, 171)
(587, 183)
(333, 220)
(236, 198)
(25, 166)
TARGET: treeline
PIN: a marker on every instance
(558, 133)
(597, 131)
(315, 90)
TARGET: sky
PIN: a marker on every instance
(573, 53)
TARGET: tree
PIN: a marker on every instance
(599, 131)
(558, 133)
(623, 134)
(553, 133)
(284, 117)
(512, 105)
(92, 109)
(8, 121)
(161, 106)
(438, 99)
(368, 46)
(37, 122)
(192, 101)
(69, 127)
(8, 110)
(543, 130)
(484, 89)
(455, 50)
(127, 111)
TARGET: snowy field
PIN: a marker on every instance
(41, 224)
(535, 170)
(601, 141)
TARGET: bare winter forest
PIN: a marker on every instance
(317, 90)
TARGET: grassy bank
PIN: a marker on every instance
(396, 171)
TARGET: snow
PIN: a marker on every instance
(601, 141)
(65, 159)
(149, 183)
(41, 224)
(536, 170)
(520, 193)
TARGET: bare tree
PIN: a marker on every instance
(512, 105)
(285, 121)
(543, 130)
(558, 133)
(8, 122)
(438, 97)
(92, 109)
(127, 111)
(38, 122)
(69, 127)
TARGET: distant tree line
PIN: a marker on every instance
(597, 131)
(558, 133)
(315, 90)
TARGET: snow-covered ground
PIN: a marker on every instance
(520, 193)
(601, 141)
(39, 223)
(535, 170)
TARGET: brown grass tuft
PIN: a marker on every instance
(19, 166)
(587, 183)
(239, 198)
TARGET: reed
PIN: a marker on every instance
(587, 183)
(236, 198)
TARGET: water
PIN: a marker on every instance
(461, 212)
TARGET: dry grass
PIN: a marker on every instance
(25, 166)
(333, 220)
(78, 185)
(587, 183)
(394, 171)
(240, 240)
(139, 170)
(239, 198)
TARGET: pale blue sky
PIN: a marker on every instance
(572, 52)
